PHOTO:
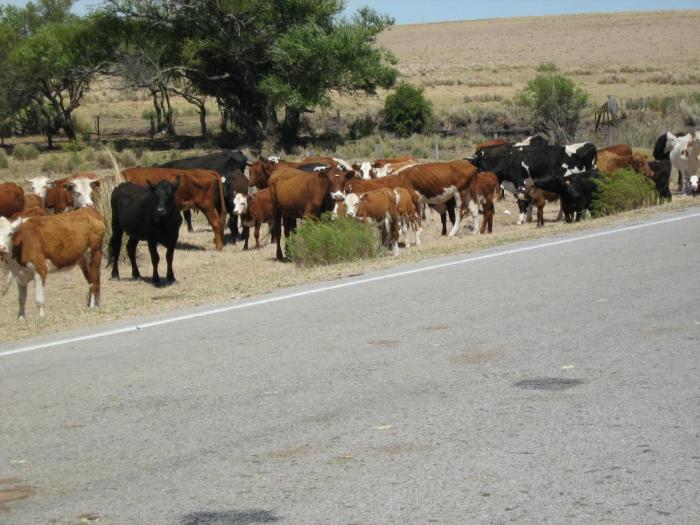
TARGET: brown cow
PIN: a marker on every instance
(489, 144)
(11, 199)
(199, 189)
(618, 149)
(297, 194)
(381, 207)
(382, 167)
(254, 210)
(34, 247)
(32, 201)
(610, 162)
(439, 182)
(72, 192)
(481, 193)
(259, 172)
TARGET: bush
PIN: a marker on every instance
(52, 163)
(4, 163)
(326, 241)
(127, 158)
(407, 111)
(73, 146)
(555, 103)
(363, 126)
(623, 190)
(25, 152)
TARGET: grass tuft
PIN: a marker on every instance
(621, 191)
(325, 241)
(4, 162)
(24, 152)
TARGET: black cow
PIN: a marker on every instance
(230, 165)
(576, 192)
(662, 177)
(145, 214)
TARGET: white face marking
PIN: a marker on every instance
(694, 183)
(5, 237)
(525, 142)
(366, 170)
(383, 171)
(40, 185)
(352, 203)
(273, 158)
(240, 204)
(572, 171)
(81, 188)
(338, 195)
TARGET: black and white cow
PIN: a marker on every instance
(576, 192)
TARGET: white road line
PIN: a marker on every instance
(358, 282)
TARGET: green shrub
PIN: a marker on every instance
(4, 163)
(127, 158)
(362, 126)
(73, 146)
(407, 111)
(53, 163)
(25, 152)
(326, 241)
(623, 190)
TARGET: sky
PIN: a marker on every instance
(420, 11)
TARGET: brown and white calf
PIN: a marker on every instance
(32, 248)
(382, 167)
(254, 210)
(381, 207)
(439, 182)
(481, 195)
(537, 197)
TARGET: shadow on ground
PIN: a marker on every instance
(230, 517)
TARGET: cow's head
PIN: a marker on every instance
(694, 185)
(640, 164)
(240, 204)
(337, 178)
(352, 203)
(259, 172)
(40, 185)
(7, 230)
(80, 189)
(383, 171)
(164, 197)
(365, 169)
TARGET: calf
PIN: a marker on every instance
(575, 191)
(694, 187)
(254, 210)
(11, 199)
(409, 216)
(145, 214)
(539, 197)
(481, 194)
(623, 150)
(685, 158)
(379, 206)
(41, 185)
(34, 247)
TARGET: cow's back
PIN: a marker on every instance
(293, 190)
(61, 239)
(11, 199)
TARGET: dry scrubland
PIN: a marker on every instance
(462, 64)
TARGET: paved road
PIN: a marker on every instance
(554, 381)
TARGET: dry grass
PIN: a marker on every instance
(198, 271)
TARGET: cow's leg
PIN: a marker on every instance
(8, 277)
(522, 208)
(277, 231)
(22, 293)
(256, 234)
(540, 215)
(443, 219)
(94, 273)
(131, 251)
(115, 248)
(169, 254)
(40, 292)
(458, 205)
(155, 259)
(529, 212)
(487, 224)
(395, 235)
(474, 212)
(214, 222)
(233, 227)
(246, 236)
(187, 215)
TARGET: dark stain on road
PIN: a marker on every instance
(384, 343)
(436, 328)
(230, 517)
(15, 491)
(548, 383)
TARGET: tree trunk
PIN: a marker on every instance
(156, 107)
(289, 134)
(169, 116)
(203, 119)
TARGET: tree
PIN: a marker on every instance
(52, 59)
(265, 62)
(555, 103)
(407, 111)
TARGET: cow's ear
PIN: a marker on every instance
(14, 226)
(177, 182)
(150, 185)
(95, 183)
(68, 186)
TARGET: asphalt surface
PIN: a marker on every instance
(554, 381)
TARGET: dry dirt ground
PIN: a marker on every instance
(206, 276)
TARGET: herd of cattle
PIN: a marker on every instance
(56, 225)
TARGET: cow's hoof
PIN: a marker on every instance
(114, 278)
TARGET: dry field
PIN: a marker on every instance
(206, 276)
